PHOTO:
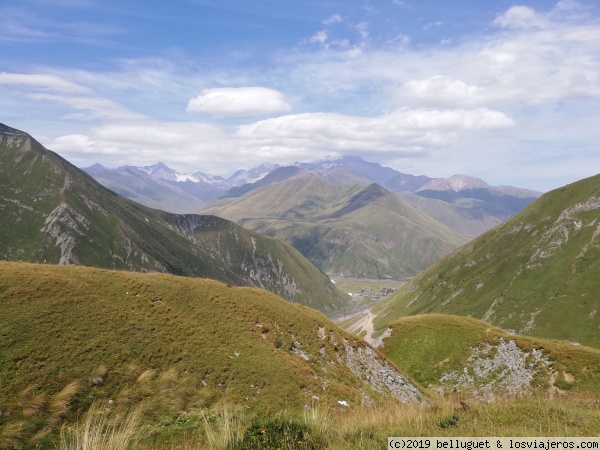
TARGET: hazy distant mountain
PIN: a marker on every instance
(145, 188)
(349, 230)
(243, 176)
(276, 176)
(55, 213)
(501, 202)
(466, 204)
(161, 171)
(455, 183)
(468, 220)
(459, 183)
(159, 186)
(537, 273)
(387, 177)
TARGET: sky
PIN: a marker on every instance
(507, 91)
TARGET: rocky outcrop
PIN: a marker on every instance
(497, 371)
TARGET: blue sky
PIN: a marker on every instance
(506, 91)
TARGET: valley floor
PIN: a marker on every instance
(362, 294)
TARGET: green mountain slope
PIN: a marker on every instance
(203, 341)
(537, 273)
(468, 220)
(468, 356)
(53, 212)
(346, 230)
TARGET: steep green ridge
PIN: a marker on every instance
(446, 344)
(346, 230)
(53, 212)
(537, 273)
(60, 323)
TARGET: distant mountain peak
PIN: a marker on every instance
(242, 176)
(455, 183)
(353, 158)
(95, 167)
(458, 183)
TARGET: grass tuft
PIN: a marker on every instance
(59, 405)
(103, 428)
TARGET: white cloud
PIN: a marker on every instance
(93, 107)
(404, 131)
(441, 89)
(363, 30)
(244, 101)
(401, 39)
(320, 37)
(42, 81)
(512, 68)
(520, 17)
(432, 25)
(181, 144)
(336, 18)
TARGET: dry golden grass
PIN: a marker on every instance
(107, 426)
(104, 429)
(59, 405)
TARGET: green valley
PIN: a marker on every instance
(55, 213)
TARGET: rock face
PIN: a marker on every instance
(379, 373)
(497, 370)
(55, 213)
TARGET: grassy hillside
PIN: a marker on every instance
(175, 341)
(451, 346)
(537, 273)
(346, 230)
(55, 213)
(163, 362)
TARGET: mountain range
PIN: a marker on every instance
(351, 230)
(466, 204)
(54, 213)
(161, 187)
(353, 243)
